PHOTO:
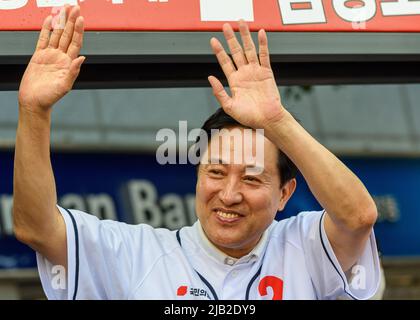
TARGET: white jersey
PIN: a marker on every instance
(293, 260)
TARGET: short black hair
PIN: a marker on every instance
(221, 120)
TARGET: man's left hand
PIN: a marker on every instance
(255, 100)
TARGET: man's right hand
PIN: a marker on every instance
(55, 64)
(50, 74)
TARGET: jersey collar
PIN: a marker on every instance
(223, 258)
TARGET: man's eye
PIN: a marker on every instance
(216, 172)
(251, 179)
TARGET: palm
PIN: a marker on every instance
(255, 100)
(46, 79)
(255, 97)
(55, 64)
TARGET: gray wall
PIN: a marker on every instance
(357, 119)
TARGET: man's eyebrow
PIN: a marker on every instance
(256, 170)
(249, 166)
(217, 161)
(255, 167)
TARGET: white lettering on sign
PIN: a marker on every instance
(143, 202)
(401, 7)
(388, 209)
(170, 211)
(144, 205)
(174, 211)
(73, 201)
(100, 205)
(55, 3)
(17, 4)
(6, 205)
(226, 10)
(190, 207)
(313, 12)
(12, 4)
(357, 13)
(290, 15)
(293, 12)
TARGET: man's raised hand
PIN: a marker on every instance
(55, 63)
(255, 100)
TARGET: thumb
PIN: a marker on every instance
(75, 66)
(220, 93)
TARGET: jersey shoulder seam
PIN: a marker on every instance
(279, 235)
(151, 269)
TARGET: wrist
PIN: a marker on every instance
(280, 123)
(34, 113)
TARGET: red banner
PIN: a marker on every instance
(202, 15)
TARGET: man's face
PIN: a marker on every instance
(235, 207)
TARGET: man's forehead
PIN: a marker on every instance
(238, 136)
(247, 144)
(228, 161)
(245, 147)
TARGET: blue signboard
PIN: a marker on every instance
(134, 188)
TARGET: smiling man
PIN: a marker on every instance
(237, 198)
(235, 250)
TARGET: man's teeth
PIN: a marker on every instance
(227, 215)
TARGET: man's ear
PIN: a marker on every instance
(286, 192)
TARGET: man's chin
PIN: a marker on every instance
(229, 242)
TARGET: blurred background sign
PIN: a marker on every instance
(273, 15)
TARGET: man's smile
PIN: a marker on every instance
(227, 216)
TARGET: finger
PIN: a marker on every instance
(264, 53)
(44, 35)
(59, 23)
(222, 57)
(67, 35)
(249, 47)
(220, 93)
(75, 66)
(77, 39)
(234, 46)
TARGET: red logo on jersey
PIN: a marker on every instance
(196, 292)
(276, 285)
(182, 291)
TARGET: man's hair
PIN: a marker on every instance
(221, 120)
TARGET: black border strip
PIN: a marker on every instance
(329, 258)
(76, 237)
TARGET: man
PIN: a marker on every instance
(236, 250)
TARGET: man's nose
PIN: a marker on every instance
(230, 194)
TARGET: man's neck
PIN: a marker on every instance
(236, 253)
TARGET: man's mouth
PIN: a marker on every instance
(227, 215)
